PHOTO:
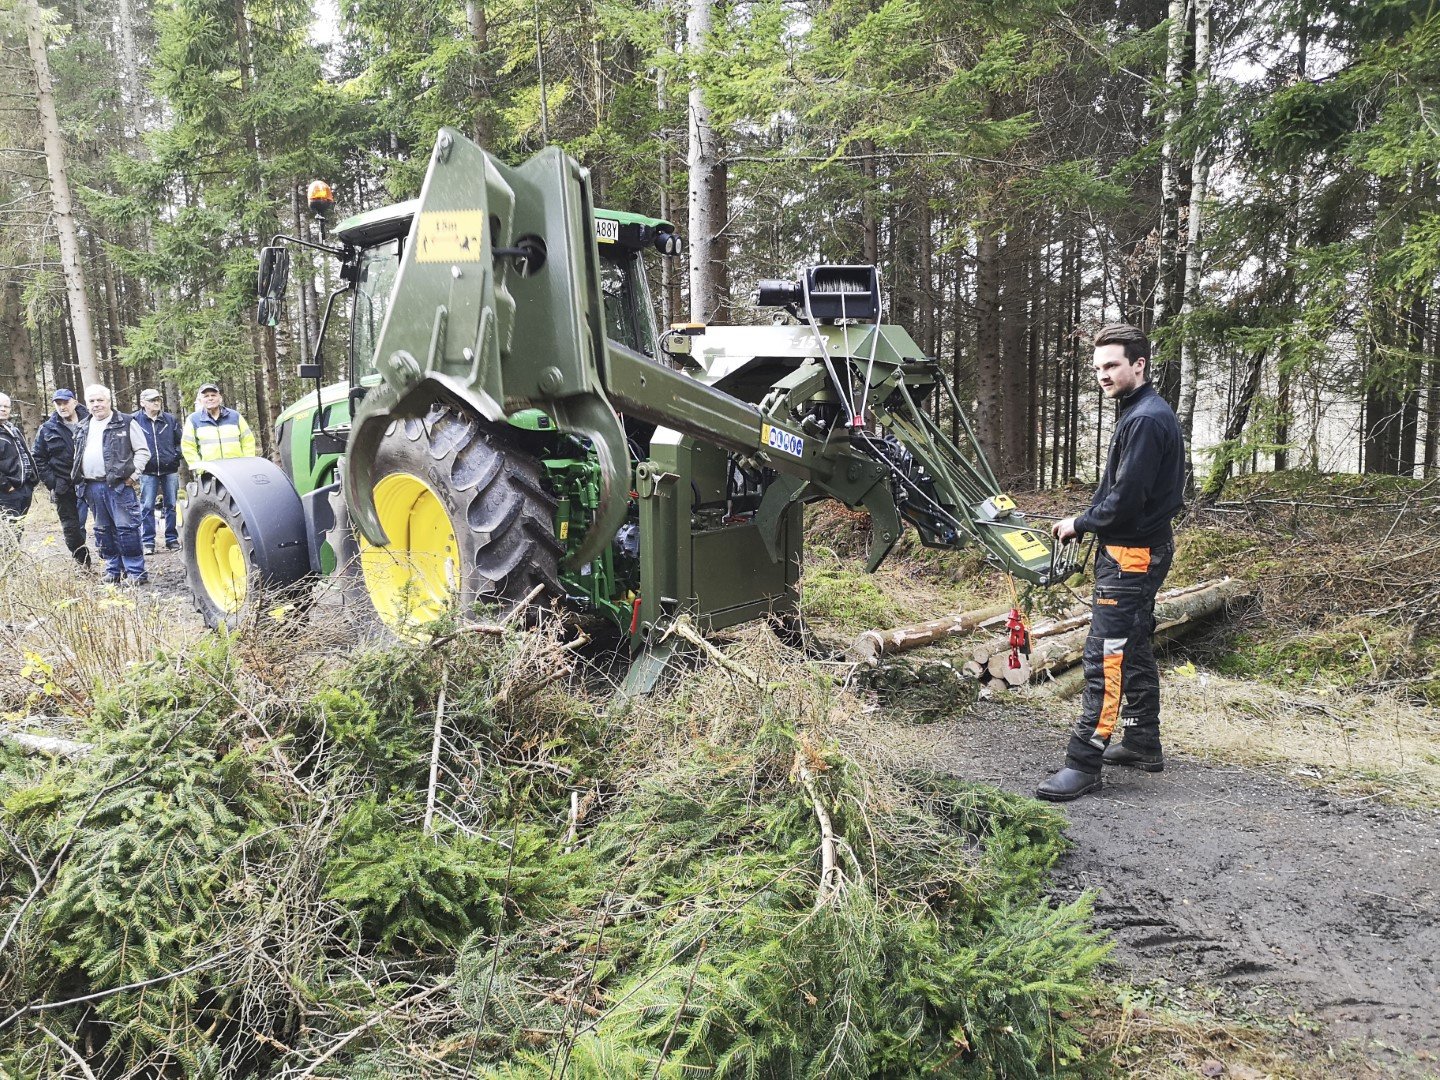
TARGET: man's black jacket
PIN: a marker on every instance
(54, 450)
(17, 470)
(1144, 482)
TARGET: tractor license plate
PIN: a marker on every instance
(607, 231)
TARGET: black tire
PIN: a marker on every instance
(219, 553)
(451, 465)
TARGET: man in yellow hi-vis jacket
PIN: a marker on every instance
(214, 431)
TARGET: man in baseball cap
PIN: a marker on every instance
(54, 453)
(161, 479)
(214, 431)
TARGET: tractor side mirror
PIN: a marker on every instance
(270, 285)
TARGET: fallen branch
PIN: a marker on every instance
(682, 629)
(49, 745)
(354, 1033)
(831, 876)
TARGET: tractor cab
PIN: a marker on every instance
(311, 434)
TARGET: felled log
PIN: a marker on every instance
(1176, 614)
(1055, 644)
(998, 667)
(870, 646)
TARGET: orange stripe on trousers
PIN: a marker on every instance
(1110, 707)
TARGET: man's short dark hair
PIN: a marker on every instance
(1136, 344)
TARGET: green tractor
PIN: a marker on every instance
(512, 429)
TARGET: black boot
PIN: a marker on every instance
(1148, 760)
(1068, 784)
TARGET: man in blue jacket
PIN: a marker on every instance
(1142, 489)
(162, 472)
(54, 452)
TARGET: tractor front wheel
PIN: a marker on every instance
(467, 517)
(244, 534)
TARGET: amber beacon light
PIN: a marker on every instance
(322, 199)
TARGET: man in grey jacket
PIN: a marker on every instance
(110, 456)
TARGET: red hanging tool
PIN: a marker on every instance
(1019, 636)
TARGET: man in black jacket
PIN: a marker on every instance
(110, 458)
(1142, 489)
(18, 475)
(54, 459)
(162, 471)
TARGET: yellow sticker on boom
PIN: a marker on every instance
(450, 236)
(1026, 544)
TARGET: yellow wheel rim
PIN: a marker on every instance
(221, 560)
(415, 578)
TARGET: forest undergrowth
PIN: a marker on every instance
(461, 859)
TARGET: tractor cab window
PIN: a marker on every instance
(375, 278)
(629, 318)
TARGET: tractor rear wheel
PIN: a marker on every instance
(468, 520)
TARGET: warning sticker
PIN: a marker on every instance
(1026, 545)
(450, 236)
(778, 439)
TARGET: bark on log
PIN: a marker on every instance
(870, 646)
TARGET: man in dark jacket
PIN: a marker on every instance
(162, 475)
(55, 459)
(1142, 489)
(110, 458)
(18, 474)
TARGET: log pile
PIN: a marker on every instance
(1056, 644)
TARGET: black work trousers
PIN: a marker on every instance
(1122, 680)
(71, 512)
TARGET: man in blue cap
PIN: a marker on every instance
(54, 452)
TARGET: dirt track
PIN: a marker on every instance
(1284, 898)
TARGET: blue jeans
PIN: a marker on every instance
(116, 512)
(167, 484)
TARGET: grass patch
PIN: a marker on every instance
(1362, 743)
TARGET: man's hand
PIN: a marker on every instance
(1064, 529)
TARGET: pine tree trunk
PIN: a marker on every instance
(1199, 187)
(1015, 374)
(870, 169)
(61, 204)
(989, 377)
(669, 286)
(1165, 380)
(267, 383)
(1234, 428)
(17, 362)
(477, 24)
(1406, 458)
(709, 256)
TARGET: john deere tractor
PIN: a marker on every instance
(511, 427)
